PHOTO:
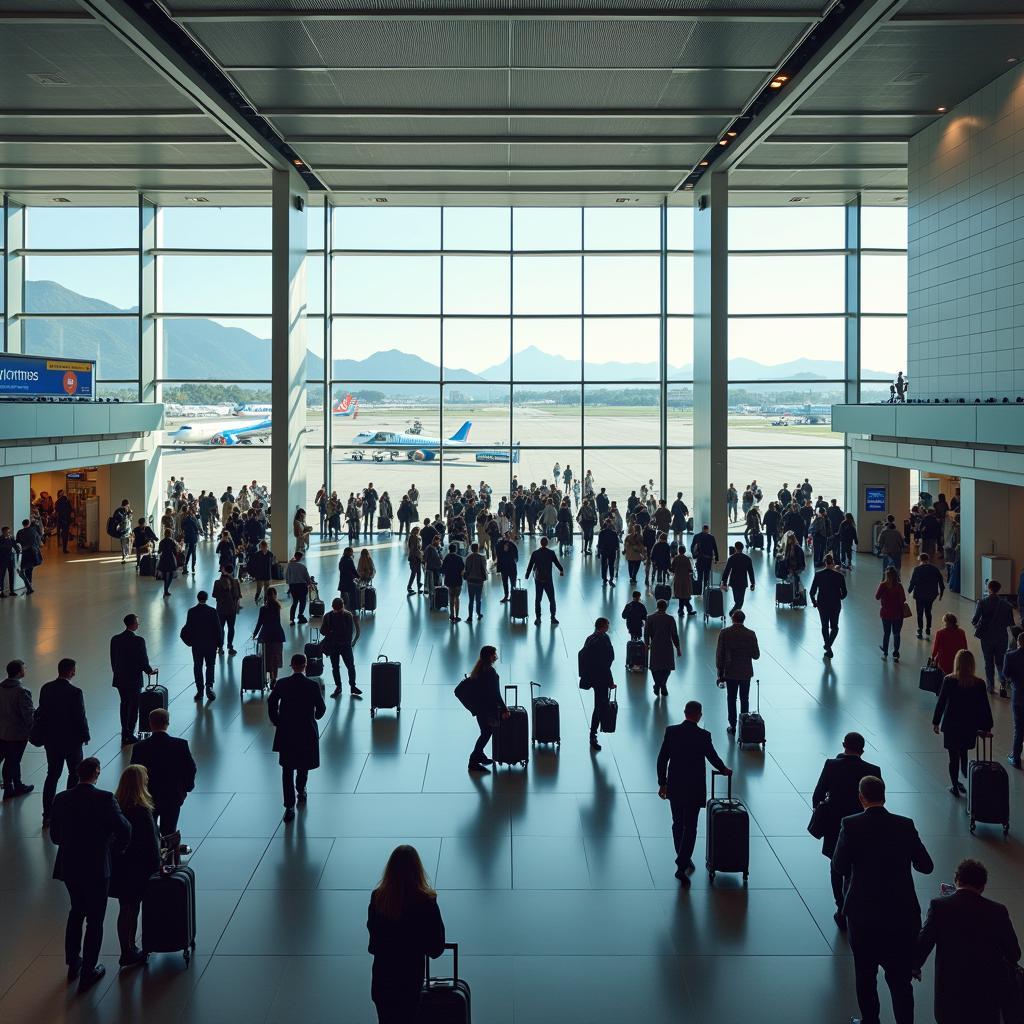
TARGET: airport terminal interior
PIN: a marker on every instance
(712, 251)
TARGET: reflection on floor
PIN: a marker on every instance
(557, 881)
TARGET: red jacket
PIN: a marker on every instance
(892, 600)
(948, 641)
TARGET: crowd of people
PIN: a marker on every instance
(110, 844)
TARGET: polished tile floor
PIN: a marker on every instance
(557, 881)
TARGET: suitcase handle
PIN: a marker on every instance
(532, 685)
(382, 657)
(728, 779)
(454, 947)
(515, 695)
(759, 696)
(983, 739)
(154, 680)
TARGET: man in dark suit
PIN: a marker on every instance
(827, 593)
(172, 771)
(992, 618)
(1013, 671)
(295, 706)
(974, 944)
(598, 656)
(85, 824)
(876, 851)
(65, 730)
(128, 662)
(204, 633)
(704, 549)
(540, 566)
(837, 796)
(682, 781)
(738, 570)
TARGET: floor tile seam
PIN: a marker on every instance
(798, 892)
(323, 867)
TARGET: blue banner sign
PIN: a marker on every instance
(874, 499)
(41, 377)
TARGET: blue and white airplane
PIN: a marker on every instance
(417, 447)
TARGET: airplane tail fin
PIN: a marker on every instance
(462, 433)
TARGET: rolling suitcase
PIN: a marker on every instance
(781, 569)
(988, 789)
(931, 677)
(757, 541)
(368, 599)
(314, 656)
(254, 673)
(662, 592)
(609, 715)
(728, 834)
(277, 571)
(316, 606)
(511, 743)
(169, 905)
(750, 728)
(147, 565)
(713, 600)
(444, 1000)
(439, 599)
(545, 719)
(152, 697)
(785, 593)
(385, 685)
(519, 604)
(636, 656)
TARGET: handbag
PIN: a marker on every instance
(37, 734)
(907, 613)
(820, 819)
(466, 694)
(186, 635)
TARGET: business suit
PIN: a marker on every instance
(735, 654)
(600, 656)
(681, 770)
(86, 824)
(172, 775)
(993, 617)
(294, 707)
(128, 662)
(827, 593)
(739, 569)
(877, 850)
(205, 636)
(1013, 671)
(704, 549)
(61, 713)
(838, 784)
(661, 634)
(974, 940)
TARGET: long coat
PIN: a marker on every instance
(662, 637)
(131, 867)
(682, 577)
(961, 712)
(295, 705)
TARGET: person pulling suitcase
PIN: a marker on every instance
(488, 706)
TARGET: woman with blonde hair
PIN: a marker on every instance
(961, 713)
(131, 868)
(405, 927)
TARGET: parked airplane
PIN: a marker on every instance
(346, 406)
(417, 447)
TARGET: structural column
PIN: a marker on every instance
(710, 354)
(15, 500)
(851, 362)
(14, 275)
(288, 357)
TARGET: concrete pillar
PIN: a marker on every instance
(15, 500)
(991, 523)
(710, 354)
(896, 482)
(139, 482)
(852, 361)
(150, 363)
(14, 274)
(288, 356)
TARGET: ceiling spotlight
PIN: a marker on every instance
(941, 110)
(298, 163)
(724, 142)
(689, 184)
(778, 81)
(732, 135)
(704, 163)
(1012, 60)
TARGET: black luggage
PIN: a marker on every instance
(314, 656)
(444, 1000)
(546, 724)
(254, 673)
(277, 571)
(636, 656)
(147, 565)
(785, 593)
(931, 678)
(609, 716)
(316, 606)
(169, 905)
(988, 789)
(781, 569)
(511, 743)
(385, 685)
(728, 833)
(368, 599)
(465, 692)
(750, 729)
(713, 600)
(519, 604)
(757, 541)
(799, 596)
(152, 697)
(439, 599)
(662, 592)
(689, 525)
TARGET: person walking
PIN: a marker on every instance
(927, 585)
(597, 658)
(827, 593)
(8, 561)
(405, 928)
(348, 579)
(682, 781)
(876, 851)
(167, 560)
(86, 826)
(608, 552)
(892, 609)
(488, 706)
(835, 797)
(682, 581)
(270, 633)
(340, 632)
(739, 569)
(452, 571)
(635, 615)
(890, 546)
(508, 565)
(132, 867)
(414, 555)
(227, 595)
(204, 634)
(16, 718)
(170, 767)
(191, 531)
(64, 513)
(975, 947)
(634, 551)
(948, 640)
(704, 549)
(128, 663)
(541, 565)
(261, 568)
(962, 712)
(61, 723)
(848, 540)
(299, 581)
(1013, 670)
(662, 638)
(475, 574)
(992, 618)
(295, 706)
(735, 655)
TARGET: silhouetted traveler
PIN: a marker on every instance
(739, 569)
(735, 655)
(227, 595)
(128, 663)
(270, 633)
(16, 717)
(295, 706)
(475, 574)
(608, 551)
(992, 618)
(541, 563)
(961, 712)
(340, 632)
(827, 593)
(170, 767)
(1013, 670)
(204, 634)
(299, 581)
(60, 720)
(927, 585)
(598, 658)
(662, 638)
(892, 599)
(704, 549)
(635, 614)
(488, 706)
(947, 642)
(508, 565)
(452, 569)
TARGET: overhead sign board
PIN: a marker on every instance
(42, 377)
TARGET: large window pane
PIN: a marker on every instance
(786, 284)
(779, 414)
(394, 408)
(315, 227)
(622, 414)
(546, 229)
(546, 349)
(214, 227)
(112, 342)
(680, 227)
(546, 284)
(680, 285)
(883, 227)
(483, 227)
(351, 473)
(315, 328)
(314, 285)
(387, 227)
(541, 412)
(89, 227)
(81, 284)
(813, 227)
(621, 348)
(197, 349)
(680, 414)
(535, 467)
(476, 284)
(883, 347)
(623, 471)
(883, 284)
(485, 407)
(622, 284)
(386, 284)
(680, 477)
(386, 348)
(611, 228)
(213, 468)
(787, 348)
(475, 349)
(213, 284)
(680, 348)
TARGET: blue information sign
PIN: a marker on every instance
(42, 377)
(874, 499)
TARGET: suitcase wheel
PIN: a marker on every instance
(711, 876)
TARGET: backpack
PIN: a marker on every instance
(114, 526)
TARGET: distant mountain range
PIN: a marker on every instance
(203, 349)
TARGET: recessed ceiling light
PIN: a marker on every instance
(49, 78)
(941, 110)
(724, 142)
(298, 163)
(1012, 60)
(60, 199)
(732, 135)
(704, 163)
(196, 199)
